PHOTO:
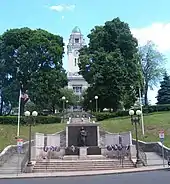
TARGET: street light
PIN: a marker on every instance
(27, 114)
(90, 106)
(66, 105)
(63, 98)
(96, 98)
(136, 120)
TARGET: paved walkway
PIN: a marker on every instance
(82, 173)
(79, 120)
(154, 159)
(13, 165)
(140, 178)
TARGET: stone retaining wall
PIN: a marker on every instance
(154, 147)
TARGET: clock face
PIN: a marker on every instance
(75, 53)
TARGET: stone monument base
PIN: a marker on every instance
(83, 152)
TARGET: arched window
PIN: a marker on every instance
(75, 61)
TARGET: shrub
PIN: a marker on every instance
(156, 108)
(104, 115)
(39, 120)
(149, 109)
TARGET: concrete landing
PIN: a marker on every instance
(154, 159)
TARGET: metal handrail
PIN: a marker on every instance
(24, 161)
(143, 156)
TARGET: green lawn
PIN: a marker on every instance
(8, 132)
(153, 124)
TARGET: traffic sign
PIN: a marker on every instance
(161, 136)
(19, 142)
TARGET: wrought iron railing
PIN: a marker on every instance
(24, 161)
(142, 156)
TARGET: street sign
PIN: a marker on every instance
(19, 142)
(161, 134)
(161, 137)
(19, 145)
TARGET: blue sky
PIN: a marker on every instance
(148, 19)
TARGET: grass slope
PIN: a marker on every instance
(8, 132)
(153, 124)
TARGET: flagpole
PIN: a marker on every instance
(19, 114)
(140, 100)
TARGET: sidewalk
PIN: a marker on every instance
(81, 173)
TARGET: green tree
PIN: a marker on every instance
(27, 55)
(110, 64)
(152, 62)
(164, 92)
(45, 89)
(70, 96)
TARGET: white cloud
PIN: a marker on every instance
(159, 33)
(60, 8)
(62, 17)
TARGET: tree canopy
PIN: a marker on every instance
(152, 62)
(32, 62)
(110, 64)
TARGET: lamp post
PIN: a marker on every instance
(90, 106)
(136, 120)
(66, 105)
(63, 99)
(27, 114)
(96, 98)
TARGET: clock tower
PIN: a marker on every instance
(75, 81)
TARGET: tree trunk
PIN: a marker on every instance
(53, 109)
(1, 106)
(146, 95)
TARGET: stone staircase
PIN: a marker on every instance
(80, 165)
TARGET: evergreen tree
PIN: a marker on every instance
(164, 92)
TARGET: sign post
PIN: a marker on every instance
(19, 149)
(161, 137)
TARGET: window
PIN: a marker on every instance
(75, 62)
(76, 40)
(77, 89)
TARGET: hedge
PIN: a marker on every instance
(39, 120)
(156, 108)
(149, 109)
(107, 115)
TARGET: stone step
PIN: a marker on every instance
(88, 157)
(40, 170)
(82, 160)
(74, 164)
(79, 165)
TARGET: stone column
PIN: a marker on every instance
(66, 136)
(98, 136)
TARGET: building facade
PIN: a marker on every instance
(75, 81)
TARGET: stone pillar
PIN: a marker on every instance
(130, 135)
(98, 136)
(38, 145)
(66, 136)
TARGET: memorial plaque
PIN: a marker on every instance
(74, 132)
